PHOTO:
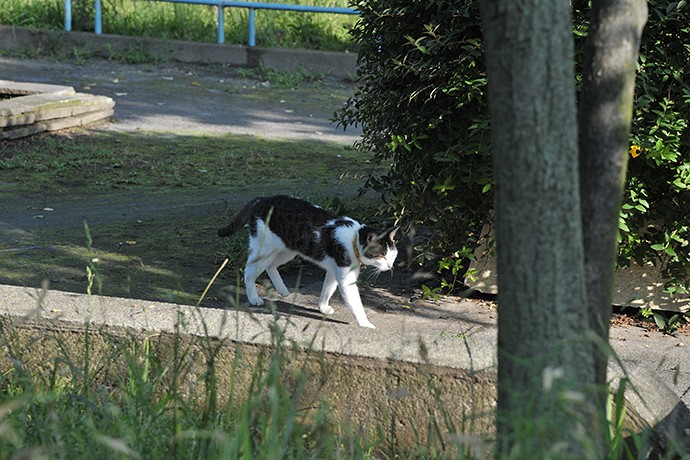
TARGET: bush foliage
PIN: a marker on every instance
(655, 219)
(423, 106)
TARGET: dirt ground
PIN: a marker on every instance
(62, 218)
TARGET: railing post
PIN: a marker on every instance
(221, 22)
(99, 22)
(68, 15)
(252, 28)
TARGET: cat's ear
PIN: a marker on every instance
(392, 233)
(371, 238)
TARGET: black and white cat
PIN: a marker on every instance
(282, 227)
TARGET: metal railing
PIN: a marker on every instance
(220, 5)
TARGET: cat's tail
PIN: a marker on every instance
(240, 220)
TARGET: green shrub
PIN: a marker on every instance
(655, 219)
(423, 106)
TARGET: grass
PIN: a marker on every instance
(190, 22)
(117, 396)
(105, 162)
(278, 78)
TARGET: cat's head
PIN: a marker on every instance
(377, 249)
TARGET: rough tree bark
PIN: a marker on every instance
(541, 323)
(604, 117)
(558, 193)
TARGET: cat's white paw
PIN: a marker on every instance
(367, 324)
(283, 292)
(326, 310)
(256, 301)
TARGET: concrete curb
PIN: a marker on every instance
(411, 370)
(342, 65)
(372, 379)
(651, 404)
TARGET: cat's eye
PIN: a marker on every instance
(375, 252)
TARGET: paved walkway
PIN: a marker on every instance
(189, 99)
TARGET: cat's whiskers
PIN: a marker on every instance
(372, 274)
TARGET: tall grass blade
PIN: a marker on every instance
(213, 279)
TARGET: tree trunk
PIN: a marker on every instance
(544, 359)
(604, 117)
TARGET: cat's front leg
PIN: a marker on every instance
(253, 295)
(347, 282)
(329, 286)
(277, 281)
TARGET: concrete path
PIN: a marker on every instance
(206, 99)
(192, 99)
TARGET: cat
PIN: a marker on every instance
(282, 227)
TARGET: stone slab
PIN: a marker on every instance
(635, 286)
(25, 110)
(16, 88)
(651, 404)
(55, 124)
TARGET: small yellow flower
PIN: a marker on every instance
(635, 151)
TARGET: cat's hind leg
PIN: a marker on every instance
(329, 286)
(257, 263)
(252, 270)
(272, 271)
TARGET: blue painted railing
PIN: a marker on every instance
(221, 5)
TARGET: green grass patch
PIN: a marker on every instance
(102, 162)
(119, 396)
(278, 78)
(191, 22)
(153, 259)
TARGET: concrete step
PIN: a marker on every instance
(25, 110)
(14, 88)
(32, 108)
(55, 124)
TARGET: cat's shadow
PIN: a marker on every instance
(291, 309)
(273, 306)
